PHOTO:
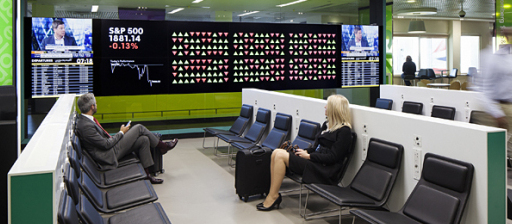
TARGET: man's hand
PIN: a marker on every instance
(124, 129)
(502, 122)
(302, 153)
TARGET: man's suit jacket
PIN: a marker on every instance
(97, 143)
(364, 43)
(68, 41)
(326, 163)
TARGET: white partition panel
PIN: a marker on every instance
(482, 146)
(35, 180)
(463, 101)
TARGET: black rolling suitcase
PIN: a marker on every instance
(158, 166)
(252, 174)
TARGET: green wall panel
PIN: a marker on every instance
(32, 199)
(389, 43)
(496, 167)
(6, 43)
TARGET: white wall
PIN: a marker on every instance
(463, 101)
(437, 136)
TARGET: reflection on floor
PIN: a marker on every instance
(199, 188)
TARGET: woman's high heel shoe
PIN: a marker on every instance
(276, 204)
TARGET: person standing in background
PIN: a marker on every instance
(495, 83)
(409, 70)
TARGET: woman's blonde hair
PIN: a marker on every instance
(338, 112)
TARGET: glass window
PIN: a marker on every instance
(433, 54)
(469, 53)
(403, 47)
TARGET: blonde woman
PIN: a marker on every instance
(320, 163)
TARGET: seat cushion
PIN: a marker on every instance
(342, 196)
(128, 194)
(128, 159)
(283, 122)
(381, 217)
(242, 145)
(383, 153)
(429, 205)
(372, 181)
(308, 130)
(446, 174)
(125, 173)
(92, 191)
(88, 212)
(150, 213)
(216, 132)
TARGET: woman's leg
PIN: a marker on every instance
(279, 162)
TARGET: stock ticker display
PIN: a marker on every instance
(162, 57)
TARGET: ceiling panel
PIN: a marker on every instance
(483, 9)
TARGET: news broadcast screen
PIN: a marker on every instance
(360, 56)
(61, 59)
(61, 38)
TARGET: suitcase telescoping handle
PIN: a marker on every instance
(257, 151)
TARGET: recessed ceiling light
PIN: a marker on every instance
(249, 13)
(94, 8)
(290, 3)
(411, 1)
(417, 11)
(175, 11)
(197, 1)
(166, 6)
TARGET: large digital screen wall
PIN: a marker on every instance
(163, 57)
(61, 56)
(146, 57)
(360, 56)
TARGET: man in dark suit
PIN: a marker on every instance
(59, 37)
(358, 40)
(106, 150)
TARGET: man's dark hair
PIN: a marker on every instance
(56, 23)
(356, 28)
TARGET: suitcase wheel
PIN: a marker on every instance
(163, 171)
(155, 174)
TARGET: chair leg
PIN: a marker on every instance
(305, 206)
(353, 219)
(300, 200)
(204, 138)
(339, 219)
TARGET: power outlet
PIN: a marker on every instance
(364, 152)
(417, 141)
(274, 106)
(417, 163)
(365, 128)
(467, 113)
(255, 102)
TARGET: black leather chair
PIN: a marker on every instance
(112, 200)
(275, 137)
(443, 112)
(372, 184)
(238, 128)
(106, 179)
(254, 134)
(477, 113)
(412, 107)
(71, 212)
(427, 74)
(384, 103)
(129, 159)
(440, 196)
(452, 75)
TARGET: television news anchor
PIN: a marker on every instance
(106, 149)
(358, 40)
(59, 37)
(320, 163)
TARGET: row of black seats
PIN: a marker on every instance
(91, 191)
(440, 196)
(443, 188)
(417, 108)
